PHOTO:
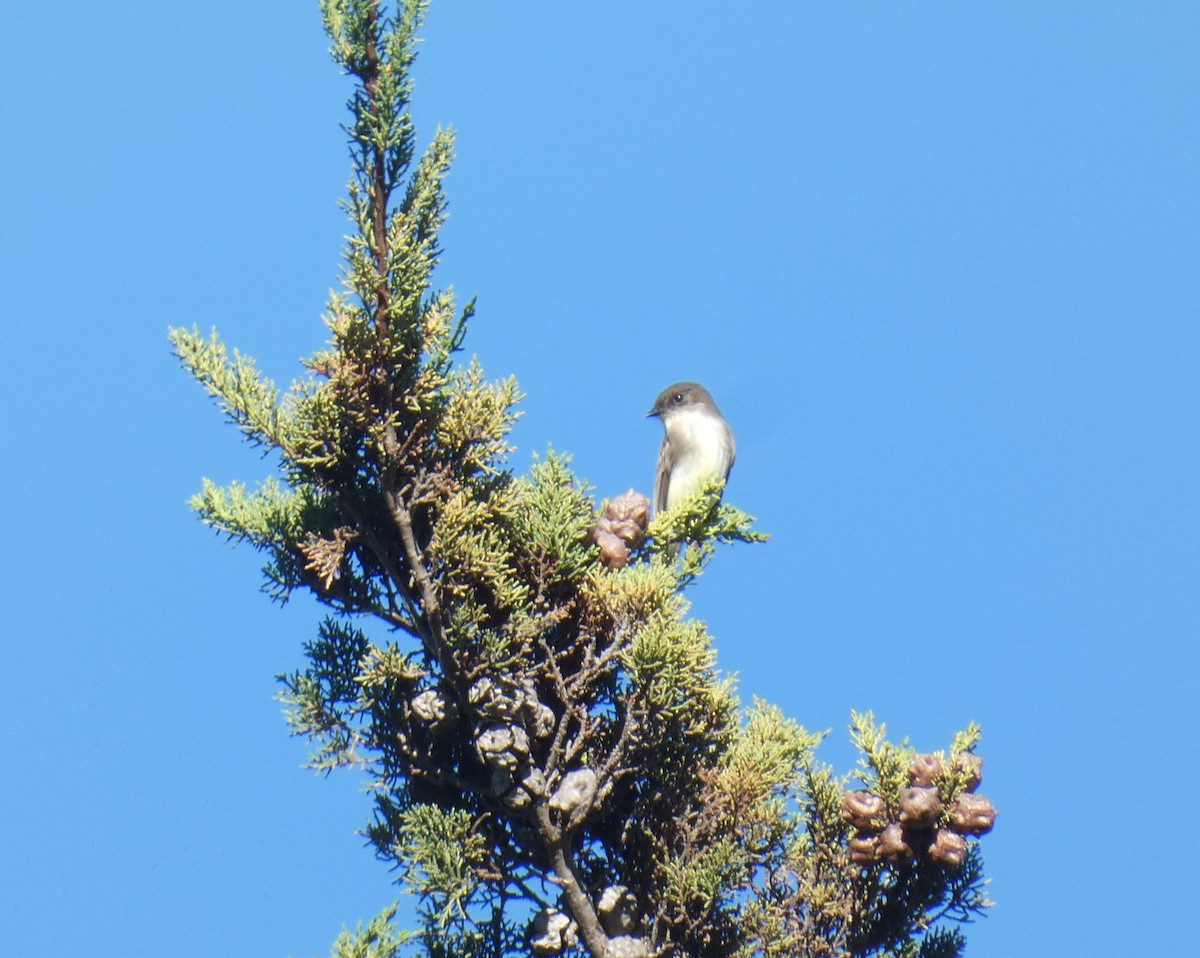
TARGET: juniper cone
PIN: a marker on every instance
(697, 446)
(621, 528)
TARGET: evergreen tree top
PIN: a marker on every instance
(558, 765)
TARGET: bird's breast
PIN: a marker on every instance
(703, 449)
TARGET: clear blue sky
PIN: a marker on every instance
(939, 262)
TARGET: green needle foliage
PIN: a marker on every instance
(558, 766)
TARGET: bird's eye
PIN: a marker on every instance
(678, 397)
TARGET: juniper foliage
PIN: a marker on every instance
(550, 743)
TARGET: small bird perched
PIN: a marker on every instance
(698, 444)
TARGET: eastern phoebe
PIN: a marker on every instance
(698, 444)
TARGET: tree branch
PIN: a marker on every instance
(580, 905)
(378, 182)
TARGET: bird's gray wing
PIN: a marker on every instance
(662, 478)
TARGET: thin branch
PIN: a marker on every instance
(383, 555)
(377, 189)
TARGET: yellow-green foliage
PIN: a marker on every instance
(248, 398)
(883, 765)
(672, 664)
(551, 520)
(268, 516)
(474, 428)
(441, 853)
(379, 939)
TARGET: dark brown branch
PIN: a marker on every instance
(383, 555)
(430, 611)
(577, 900)
(555, 753)
(620, 747)
(378, 183)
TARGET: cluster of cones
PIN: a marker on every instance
(922, 826)
(622, 528)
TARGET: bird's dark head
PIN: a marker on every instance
(679, 396)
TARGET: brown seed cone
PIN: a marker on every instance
(925, 770)
(614, 552)
(864, 849)
(631, 506)
(972, 764)
(864, 810)
(972, 814)
(920, 807)
(626, 530)
(621, 528)
(948, 847)
(894, 845)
